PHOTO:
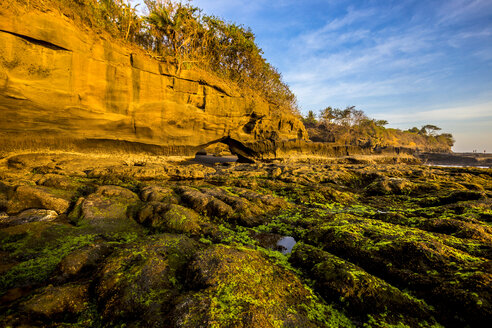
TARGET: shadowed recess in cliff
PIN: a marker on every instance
(243, 153)
(42, 43)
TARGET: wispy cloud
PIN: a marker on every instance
(353, 58)
(339, 92)
(382, 62)
(484, 55)
(455, 11)
(353, 15)
(459, 113)
(388, 51)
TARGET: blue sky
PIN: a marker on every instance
(411, 62)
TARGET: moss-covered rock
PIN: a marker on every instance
(194, 198)
(365, 296)
(26, 197)
(61, 302)
(450, 198)
(181, 219)
(31, 215)
(238, 287)
(138, 284)
(389, 245)
(156, 193)
(164, 217)
(37, 248)
(58, 181)
(384, 185)
(222, 203)
(110, 209)
(412, 258)
(80, 261)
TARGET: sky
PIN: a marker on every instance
(410, 62)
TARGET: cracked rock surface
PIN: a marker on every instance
(86, 242)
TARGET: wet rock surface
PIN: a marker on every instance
(95, 244)
(26, 197)
(53, 302)
(140, 282)
(31, 215)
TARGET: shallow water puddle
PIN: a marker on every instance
(276, 242)
(285, 244)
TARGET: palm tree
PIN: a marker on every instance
(176, 27)
(160, 22)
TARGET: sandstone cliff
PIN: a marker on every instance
(62, 81)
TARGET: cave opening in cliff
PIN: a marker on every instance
(215, 153)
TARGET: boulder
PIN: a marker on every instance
(110, 209)
(238, 287)
(108, 202)
(56, 302)
(154, 193)
(194, 198)
(57, 181)
(383, 186)
(32, 215)
(80, 261)
(181, 220)
(26, 197)
(364, 294)
(140, 283)
(170, 218)
(219, 209)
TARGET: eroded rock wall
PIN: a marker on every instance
(62, 80)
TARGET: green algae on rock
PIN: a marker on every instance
(360, 292)
(140, 282)
(238, 287)
(415, 254)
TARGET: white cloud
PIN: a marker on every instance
(484, 55)
(460, 114)
(317, 94)
(386, 63)
(353, 15)
(454, 11)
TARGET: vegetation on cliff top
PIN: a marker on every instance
(179, 32)
(351, 126)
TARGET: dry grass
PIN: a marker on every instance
(355, 159)
(10, 145)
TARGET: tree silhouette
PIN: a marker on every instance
(430, 130)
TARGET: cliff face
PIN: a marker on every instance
(369, 136)
(61, 80)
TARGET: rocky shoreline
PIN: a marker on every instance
(112, 241)
(457, 159)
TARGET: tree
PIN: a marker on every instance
(381, 123)
(310, 118)
(130, 19)
(327, 115)
(448, 138)
(176, 28)
(430, 130)
(356, 117)
(414, 130)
